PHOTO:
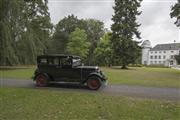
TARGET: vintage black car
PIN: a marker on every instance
(67, 69)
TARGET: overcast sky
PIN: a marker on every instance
(156, 24)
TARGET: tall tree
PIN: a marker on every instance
(124, 29)
(175, 13)
(10, 29)
(78, 44)
(37, 33)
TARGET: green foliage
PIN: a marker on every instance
(175, 13)
(103, 51)
(93, 28)
(25, 31)
(78, 44)
(9, 27)
(62, 31)
(124, 29)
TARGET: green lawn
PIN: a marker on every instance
(41, 104)
(25, 73)
(160, 77)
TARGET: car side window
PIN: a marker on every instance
(43, 61)
(50, 61)
(53, 61)
(66, 63)
(56, 61)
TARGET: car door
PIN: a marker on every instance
(54, 68)
(69, 73)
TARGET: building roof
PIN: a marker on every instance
(171, 46)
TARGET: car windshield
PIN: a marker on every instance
(76, 62)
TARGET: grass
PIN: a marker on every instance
(40, 104)
(158, 77)
(24, 73)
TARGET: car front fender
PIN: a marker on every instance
(97, 75)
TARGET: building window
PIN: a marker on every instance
(164, 62)
(159, 51)
(155, 57)
(164, 57)
(159, 62)
(152, 52)
(159, 57)
(155, 62)
(145, 62)
(151, 57)
(164, 51)
(151, 62)
(155, 51)
(172, 51)
(172, 56)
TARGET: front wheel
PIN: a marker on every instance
(41, 80)
(94, 83)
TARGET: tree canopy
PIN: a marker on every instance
(78, 44)
(94, 30)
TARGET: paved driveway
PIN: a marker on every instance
(122, 90)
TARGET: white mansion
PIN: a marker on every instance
(161, 54)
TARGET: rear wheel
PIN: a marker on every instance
(41, 80)
(94, 83)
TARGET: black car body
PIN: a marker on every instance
(68, 69)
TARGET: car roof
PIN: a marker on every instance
(56, 55)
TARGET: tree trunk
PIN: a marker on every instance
(124, 66)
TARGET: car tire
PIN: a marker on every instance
(41, 80)
(94, 83)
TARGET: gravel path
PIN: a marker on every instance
(122, 90)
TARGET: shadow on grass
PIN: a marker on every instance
(119, 68)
